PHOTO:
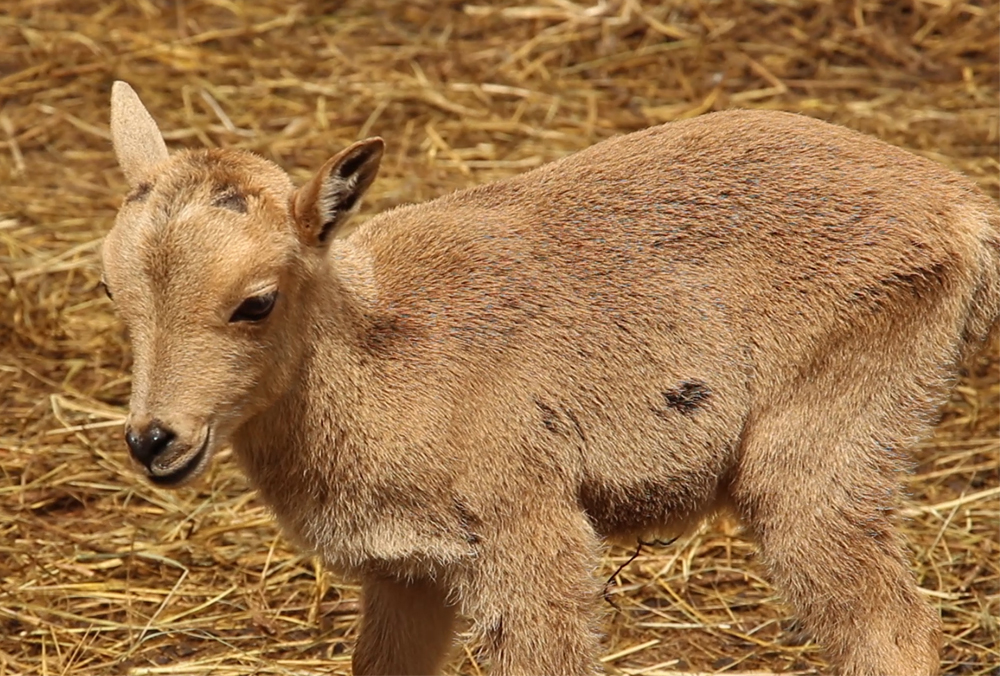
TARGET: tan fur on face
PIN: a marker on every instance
(748, 311)
(177, 303)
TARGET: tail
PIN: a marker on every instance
(982, 325)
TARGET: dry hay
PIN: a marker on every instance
(100, 573)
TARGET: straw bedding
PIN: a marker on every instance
(102, 574)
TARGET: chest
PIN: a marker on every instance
(331, 496)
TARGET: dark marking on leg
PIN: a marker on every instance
(550, 418)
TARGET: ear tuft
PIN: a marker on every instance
(138, 143)
(324, 204)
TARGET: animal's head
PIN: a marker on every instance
(210, 264)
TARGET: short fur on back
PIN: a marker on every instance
(457, 403)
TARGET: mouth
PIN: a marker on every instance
(191, 466)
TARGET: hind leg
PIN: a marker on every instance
(819, 502)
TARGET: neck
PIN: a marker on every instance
(298, 441)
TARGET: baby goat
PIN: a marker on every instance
(746, 311)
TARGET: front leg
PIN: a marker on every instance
(406, 628)
(533, 596)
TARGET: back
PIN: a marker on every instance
(754, 236)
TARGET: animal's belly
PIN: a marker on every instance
(653, 508)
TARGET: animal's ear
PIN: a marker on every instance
(138, 143)
(324, 204)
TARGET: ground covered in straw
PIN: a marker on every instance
(102, 574)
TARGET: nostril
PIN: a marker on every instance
(148, 443)
(159, 436)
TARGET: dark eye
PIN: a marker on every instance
(107, 291)
(255, 308)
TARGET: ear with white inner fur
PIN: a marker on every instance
(324, 204)
(138, 142)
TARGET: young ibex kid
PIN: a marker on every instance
(457, 403)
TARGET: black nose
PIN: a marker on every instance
(146, 444)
